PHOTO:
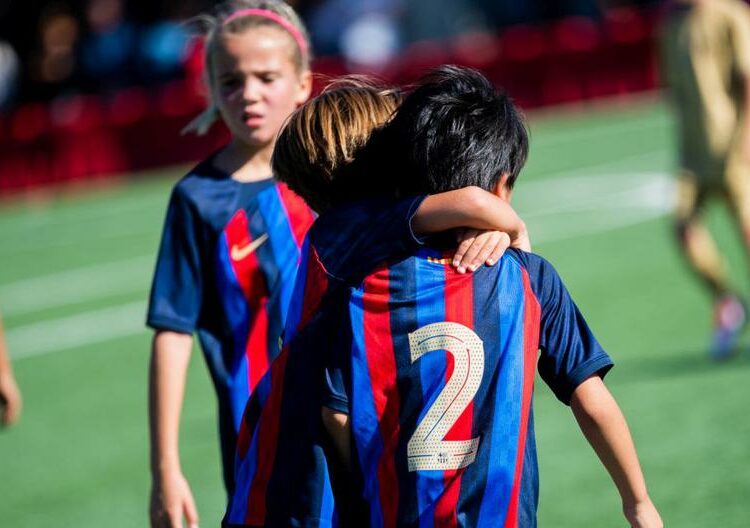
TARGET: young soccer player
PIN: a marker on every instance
(706, 68)
(433, 370)
(319, 141)
(231, 240)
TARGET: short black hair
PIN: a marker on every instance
(456, 129)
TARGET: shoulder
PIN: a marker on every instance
(531, 262)
(544, 279)
(207, 193)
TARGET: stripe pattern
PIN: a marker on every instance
(267, 410)
(258, 255)
(391, 394)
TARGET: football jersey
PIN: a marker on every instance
(226, 266)
(342, 246)
(439, 386)
(437, 373)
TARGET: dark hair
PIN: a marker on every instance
(454, 130)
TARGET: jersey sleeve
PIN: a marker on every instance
(176, 291)
(352, 240)
(569, 351)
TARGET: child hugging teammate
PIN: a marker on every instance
(426, 374)
(319, 142)
(232, 240)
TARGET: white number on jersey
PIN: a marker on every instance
(427, 449)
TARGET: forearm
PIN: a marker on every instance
(467, 207)
(605, 428)
(170, 356)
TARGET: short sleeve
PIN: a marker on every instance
(740, 24)
(176, 291)
(569, 351)
(353, 239)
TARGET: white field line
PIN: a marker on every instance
(87, 328)
(76, 285)
(613, 127)
(644, 197)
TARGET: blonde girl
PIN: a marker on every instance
(231, 240)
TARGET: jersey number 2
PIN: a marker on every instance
(427, 449)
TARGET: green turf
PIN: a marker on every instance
(79, 456)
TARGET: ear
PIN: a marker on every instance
(501, 189)
(304, 88)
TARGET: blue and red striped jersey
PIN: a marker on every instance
(226, 267)
(438, 377)
(349, 249)
(436, 370)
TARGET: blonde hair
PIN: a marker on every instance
(324, 135)
(227, 19)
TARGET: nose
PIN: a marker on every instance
(251, 92)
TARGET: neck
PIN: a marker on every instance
(245, 163)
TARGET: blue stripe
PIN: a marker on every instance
(430, 297)
(365, 428)
(238, 313)
(503, 439)
(244, 475)
(296, 305)
(327, 509)
(281, 239)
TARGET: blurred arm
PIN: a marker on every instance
(170, 494)
(10, 396)
(605, 428)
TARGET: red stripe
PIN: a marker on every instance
(256, 349)
(459, 308)
(381, 363)
(268, 432)
(247, 270)
(531, 321)
(268, 427)
(250, 279)
(299, 214)
(316, 284)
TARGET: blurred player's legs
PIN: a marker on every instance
(703, 256)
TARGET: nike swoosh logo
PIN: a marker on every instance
(240, 253)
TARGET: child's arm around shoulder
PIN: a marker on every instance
(470, 207)
(605, 428)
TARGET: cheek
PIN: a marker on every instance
(281, 97)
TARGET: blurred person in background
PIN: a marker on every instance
(53, 64)
(163, 46)
(706, 68)
(231, 240)
(10, 396)
(108, 52)
(9, 72)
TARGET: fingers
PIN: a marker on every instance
(466, 239)
(485, 248)
(171, 501)
(191, 512)
(498, 250)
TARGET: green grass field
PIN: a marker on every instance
(75, 273)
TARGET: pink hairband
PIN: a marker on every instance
(275, 17)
